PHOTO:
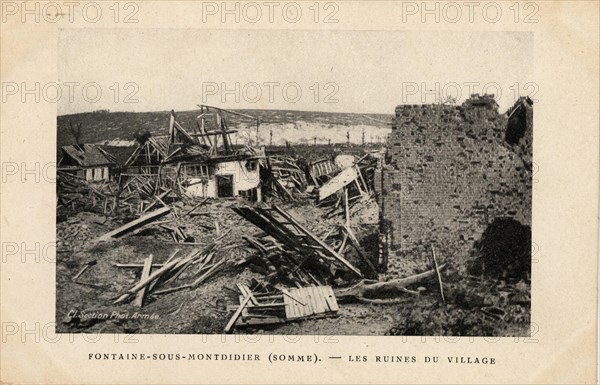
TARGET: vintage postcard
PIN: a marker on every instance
(299, 192)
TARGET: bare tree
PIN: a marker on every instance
(76, 132)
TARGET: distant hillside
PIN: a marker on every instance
(292, 126)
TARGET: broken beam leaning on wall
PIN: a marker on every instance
(439, 276)
(359, 249)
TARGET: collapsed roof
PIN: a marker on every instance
(84, 155)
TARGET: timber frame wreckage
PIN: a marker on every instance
(414, 182)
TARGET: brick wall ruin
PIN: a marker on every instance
(450, 170)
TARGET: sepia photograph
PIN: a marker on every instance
(204, 186)
(299, 192)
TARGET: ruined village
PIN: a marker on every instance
(199, 223)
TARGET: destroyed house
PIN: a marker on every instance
(208, 164)
(154, 151)
(223, 177)
(85, 161)
(282, 174)
(202, 164)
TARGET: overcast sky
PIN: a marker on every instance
(341, 71)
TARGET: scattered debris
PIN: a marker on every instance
(271, 236)
(160, 188)
(175, 267)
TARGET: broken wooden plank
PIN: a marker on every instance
(343, 245)
(195, 207)
(264, 221)
(136, 265)
(173, 254)
(87, 265)
(158, 198)
(330, 298)
(139, 299)
(134, 224)
(439, 276)
(236, 314)
(145, 282)
(319, 301)
(344, 178)
(179, 267)
(278, 183)
(208, 273)
(362, 180)
(245, 290)
(266, 320)
(346, 206)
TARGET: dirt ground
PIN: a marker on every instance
(87, 304)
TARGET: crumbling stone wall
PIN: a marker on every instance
(450, 172)
(519, 129)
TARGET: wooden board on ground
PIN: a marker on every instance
(299, 304)
(317, 300)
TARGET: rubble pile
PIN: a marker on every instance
(185, 192)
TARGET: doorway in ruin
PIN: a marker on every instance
(503, 251)
(224, 186)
